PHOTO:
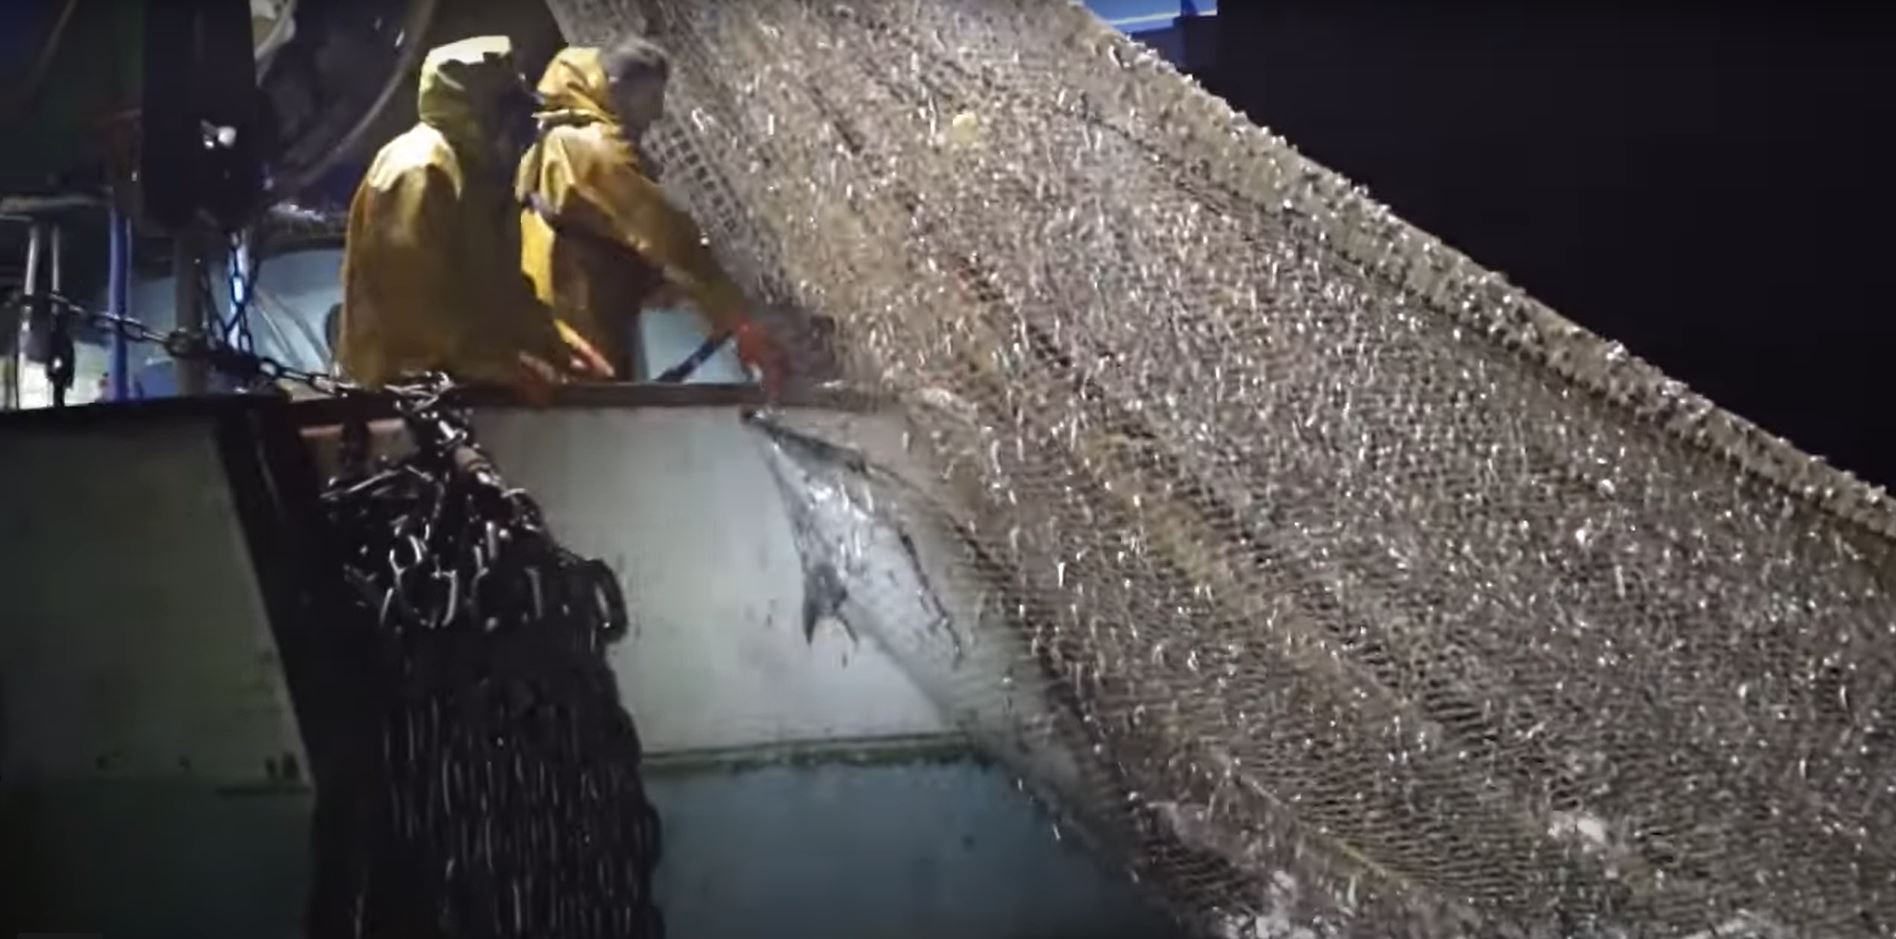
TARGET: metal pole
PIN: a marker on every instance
(22, 340)
(57, 281)
(188, 301)
(61, 361)
(118, 276)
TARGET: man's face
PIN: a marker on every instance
(639, 101)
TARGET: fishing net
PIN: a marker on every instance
(1367, 596)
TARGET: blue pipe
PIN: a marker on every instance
(118, 279)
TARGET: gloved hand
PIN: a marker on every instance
(535, 380)
(583, 360)
(758, 351)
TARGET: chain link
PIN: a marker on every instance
(249, 368)
(503, 795)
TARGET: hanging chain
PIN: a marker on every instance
(509, 801)
(496, 790)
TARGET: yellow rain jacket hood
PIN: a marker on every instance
(431, 277)
(599, 239)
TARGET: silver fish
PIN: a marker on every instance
(881, 555)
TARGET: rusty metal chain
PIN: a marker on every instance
(251, 369)
(508, 800)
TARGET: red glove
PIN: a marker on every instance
(582, 359)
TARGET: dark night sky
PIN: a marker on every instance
(1712, 187)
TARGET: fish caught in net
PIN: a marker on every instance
(1344, 588)
(495, 787)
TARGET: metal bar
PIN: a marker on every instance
(323, 411)
(188, 302)
(29, 288)
(900, 750)
(118, 276)
(35, 251)
(56, 255)
(33, 205)
(61, 348)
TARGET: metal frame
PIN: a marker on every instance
(319, 411)
(275, 492)
(275, 487)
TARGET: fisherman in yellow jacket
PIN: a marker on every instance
(599, 239)
(431, 268)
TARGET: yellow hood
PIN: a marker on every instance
(464, 86)
(574, 89)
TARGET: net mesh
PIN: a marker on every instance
(1368, 596)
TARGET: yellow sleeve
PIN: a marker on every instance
(395, 273)
(413, 301)
(597, 187)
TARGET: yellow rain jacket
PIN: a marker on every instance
(599, 239)
(431, 270)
